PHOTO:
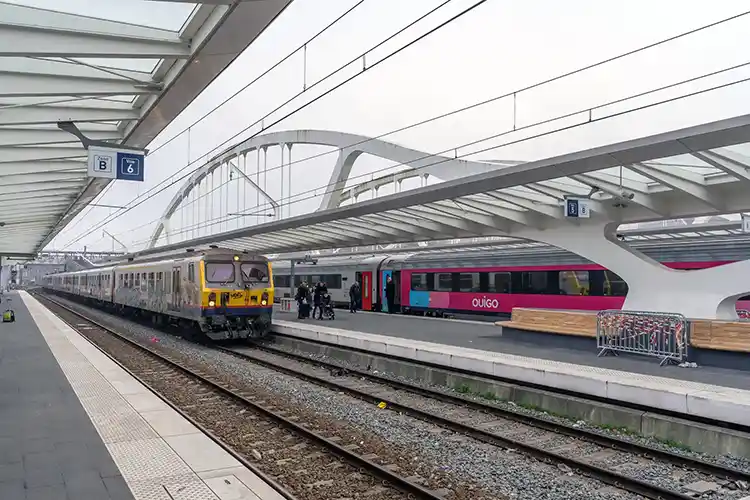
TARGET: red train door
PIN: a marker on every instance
(367, 291)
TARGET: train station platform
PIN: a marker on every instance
(75, 425)
(480, 347)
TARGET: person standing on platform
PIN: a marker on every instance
(354, 292)
(390, 294)
(303, 305)
(320, 290)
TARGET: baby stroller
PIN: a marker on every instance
(327, 306)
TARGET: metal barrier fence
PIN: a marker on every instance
(288, 305)
(661, 335)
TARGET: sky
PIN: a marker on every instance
(500, 47)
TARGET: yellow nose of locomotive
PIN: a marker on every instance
(218, 297)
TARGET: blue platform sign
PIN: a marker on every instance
(112, 163)
(577, 208)
(130, 166)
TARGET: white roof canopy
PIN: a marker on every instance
(117, 81)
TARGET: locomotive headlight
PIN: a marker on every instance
(236, 258)
(263, 302)
(211, 303)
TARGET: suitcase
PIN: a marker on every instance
(9, 316)
(304, 310)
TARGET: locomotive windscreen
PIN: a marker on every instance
(254, 272)
(219, 272)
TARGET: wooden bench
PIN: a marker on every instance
(576, 323)
(704, 334)
(720, 335)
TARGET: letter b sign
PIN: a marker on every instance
(103, 163)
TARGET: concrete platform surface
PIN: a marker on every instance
(77, 426)
(673, 394)
(488, 337)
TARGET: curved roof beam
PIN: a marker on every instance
(352, 145)
(195, 180)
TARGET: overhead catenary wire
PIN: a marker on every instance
(328, 92)
(252, 82)
(259, 209)
(437, 117)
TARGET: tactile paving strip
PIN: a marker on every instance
(186, 487)
(147, 459)
(152, 469)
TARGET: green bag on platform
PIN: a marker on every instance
(9, 316)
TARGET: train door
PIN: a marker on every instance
(112, 281)
(384, 275)
(175, 298)
(366, 287)
(397, 283)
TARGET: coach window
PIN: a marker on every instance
(280, 281)
(444, 282)
(574, 283)
(159, 282)
(286, 281)
(531, 282)
(614, 285)
(468, 282)
(333, 281)
(144, 282)
(191, 272)
(419, 282)
(151, 284)
(499, 283)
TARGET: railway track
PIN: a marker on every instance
(295, 457)
(643, 470)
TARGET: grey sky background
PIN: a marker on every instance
(502, 46)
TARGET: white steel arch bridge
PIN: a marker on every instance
(348, 148)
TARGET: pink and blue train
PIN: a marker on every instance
(492, 283)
